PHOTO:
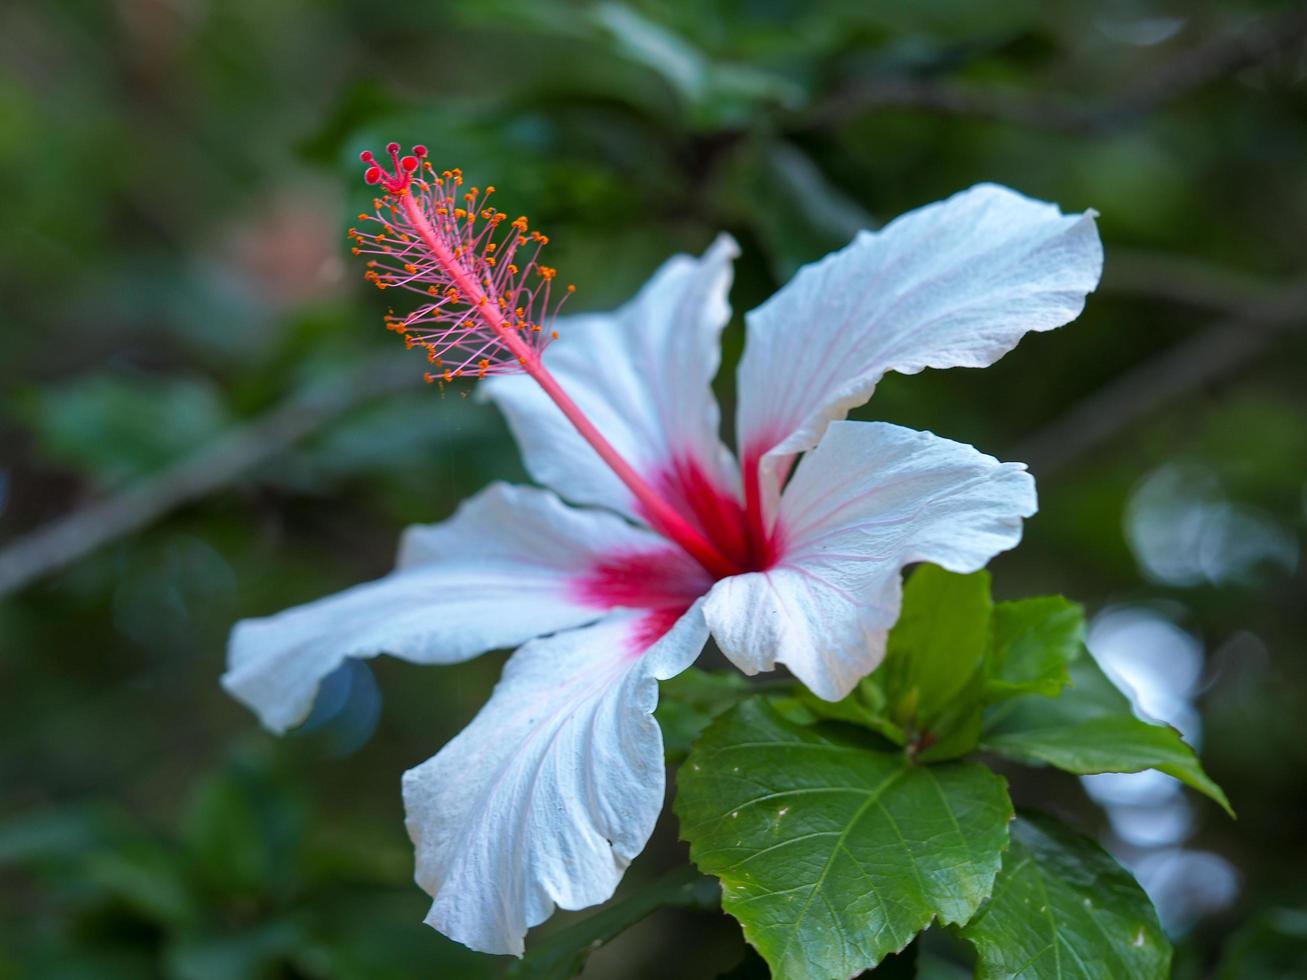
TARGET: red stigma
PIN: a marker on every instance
(396, 179)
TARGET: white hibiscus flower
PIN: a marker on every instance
(555, 786)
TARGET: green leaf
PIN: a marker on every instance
(689, 701)
(866, 706)
(1089, 729)
(833, 855)
(1062, 908)
(951, 653)
(359, 104)
(563, 954)
(931, 682)
(797, 211)
(243, 830)
(1032, 642)
(681, 65)
(1272, 945)
(937, 643)
(118, 426)
(714, 93)
(150, 876)
(255, 952)
(63, 834)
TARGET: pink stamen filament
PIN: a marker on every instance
(757, 529)
(659, 513)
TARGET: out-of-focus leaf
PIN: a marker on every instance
(932, 967)
(53, 960)
(689, 701)
(796, 210)
(237, 956)
(1063, 908)
(360, 104)
(55, 834)
(114, 427)
(244, 830)
(1272, 946)
(369, 933)
(1091, 728)
(563, 954)
(149, 876)
(678, 62)
(831, 854)
(716, 93)
(392, 436)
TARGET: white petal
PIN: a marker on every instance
(501, 571)
(953, 284)
(544, 799)
(868, 500)
(642, 374)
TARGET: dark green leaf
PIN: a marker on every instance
(361, 103)
(1089, 729)
(932, 967)
(797, 211)
(244, 830)
(55, 835)
(865, 707)
(952, 652)
(149, 876)
(831, 854)
(1032, 642)
(117, 426)
(562, 955)
(691, 699)
(1063, 908)
(1271, 946)
(646, 42)
(252, 952)
(714, 93)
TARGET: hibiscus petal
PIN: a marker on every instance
(953, 284)
(507, 567)
(868, 500)
(544, 799)
(643, 375)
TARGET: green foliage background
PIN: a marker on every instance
(178, 177)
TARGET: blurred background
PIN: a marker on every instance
(202, 419)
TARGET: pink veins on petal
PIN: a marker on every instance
(490, 265)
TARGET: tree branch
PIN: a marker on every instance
(69, 539)
(1185, 73)
(1220, 350)
(1254, 312)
